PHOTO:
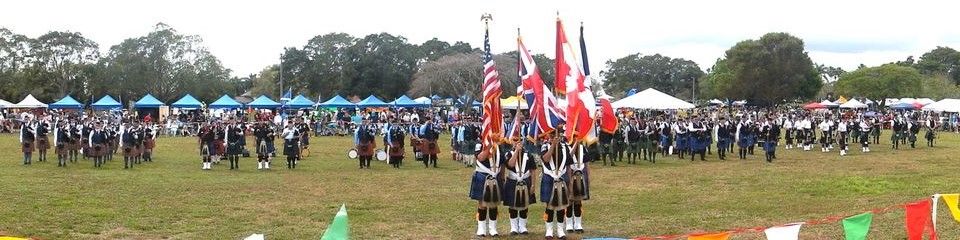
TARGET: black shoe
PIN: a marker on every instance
(578, 230)
(514, 233)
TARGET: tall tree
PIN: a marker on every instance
(674, 76)
(885, 81)
(328, 56)
(265, 83)
(460, 74)
(14, 58)
(942, 60)
(766, 71)
(61, 56)
(380, 64)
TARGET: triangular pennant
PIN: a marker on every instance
(856, 227)
(710, 236)
(918, 220)
(951, 201)
(786, 232)
(339, 228)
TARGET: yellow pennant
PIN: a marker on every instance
(951, 201)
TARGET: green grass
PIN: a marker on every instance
(172, 198)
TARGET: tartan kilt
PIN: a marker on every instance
(98, 150)
(62, 148)
(219, 148)
(150, 144)
(73, 145)
(396, 150)
(234, 148)
(366, 149)
(129, 151)
(26, 147)
(43, 143)
(429, 147)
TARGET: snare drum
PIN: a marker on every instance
(381, 155)
(352, 154)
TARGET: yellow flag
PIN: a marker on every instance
(711, 236)
(951, 201)
(12, 238)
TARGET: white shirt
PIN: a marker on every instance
(288, 133)
(842, 127)
(824, 126)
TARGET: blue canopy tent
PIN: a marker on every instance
(225, 102)
(188, 102)
(337, 102)
(404, 101)
(148, 101)
(903, 106)
(67, 102)
(106, 103)
(372, 101)
(299, 102)
(264, 102)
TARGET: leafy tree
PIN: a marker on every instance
(380, 64)
(674, 76)
(942, 60)
(939, 87)
(265, 83)
(881, 82)
(766, 71)
(461, 74)
(60, 57)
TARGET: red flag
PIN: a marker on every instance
(581, 106)
(608, 120)
(919, 220)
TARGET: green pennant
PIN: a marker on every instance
(856, 227)
(339, 228)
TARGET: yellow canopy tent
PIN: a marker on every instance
(512, 103)
(841, 100)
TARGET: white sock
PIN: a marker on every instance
(560, 231)
(548, 226)
(578, 223)
(522, 225)
(514, 225)
(569, 223)
(481, 227)
(492, 227)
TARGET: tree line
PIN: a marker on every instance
(770, 70)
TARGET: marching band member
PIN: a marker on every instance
(137, 142)
(865, 127)
(43, 142)
(824, 127)
(653, 138)
(128, 138)
(931, 132)
(698, 139)
(303, 128)
(898, 127)
(27, 139)
(414, 130)
(769, 135)
(364, 140)
(788, 136)
(912, 130)
(579, 186)
(264, 138)
(743, 138)
(555, 157)
(517, 192)
(149, 142)
(234, 137)
(61, 140)
(485, 186)
(395, 138)
(633, 141)
(680, 130)
(205, 138)
(724, 137)
(219, 146)
(842, 139)
(76, 140)
(291, 147)
(98, 144)
(428, 136)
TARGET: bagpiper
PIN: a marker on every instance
(912, 130)
(61, 139)
(364, 140)
(428, 137)
(724, 137)
(234, 139)
(98, 145)
(205, 138)
(27, 140)
(842, 139)
(265, 148)
(291, 145)
(128, 138)
(865, 127)
(76, 140)
(579, 186)
(43, 142)
(395, 137)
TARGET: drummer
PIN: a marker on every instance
(395, 136)
(365, 144)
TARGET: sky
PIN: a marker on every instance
(249, 35)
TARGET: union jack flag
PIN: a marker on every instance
(545, 113)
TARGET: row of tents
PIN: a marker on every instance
(224, 102)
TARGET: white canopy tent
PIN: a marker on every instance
(5, 104)
(652, 99)
(925, 101)
(828, 103)
(30, 102)
(423, 100)
(715, 102)
(945, 105)
(854, 104)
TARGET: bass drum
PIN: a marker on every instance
(352, 154)
(381, 155)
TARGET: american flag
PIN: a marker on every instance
(492, 117)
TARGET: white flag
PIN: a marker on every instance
(786, 232)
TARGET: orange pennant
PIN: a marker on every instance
(710, 236)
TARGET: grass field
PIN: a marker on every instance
(172, 198)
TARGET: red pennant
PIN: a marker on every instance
(919, 220)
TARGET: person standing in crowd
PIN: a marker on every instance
(619, 144)
(469, 135)
(579, 178)
(842, 136)
(633, 141)
(234, 136)
(898, 127)
(98, 145)
(680, 130)
(61, 140)
(395, 137)
(76, 140)
(27, 140)
(606, 141)
(485, 187)
(428, 136)
(865, 127)
(653, 138)
(824, 128)
(875, 127)
(365, 144)
(219, 144)
(769, 135)
(205, 137)
(128, 138)
(303, 127)
(698, 139)
(43, 141)
(743, 138)
(149, 141)
(291, 147)
(789, 133)
(724, 137)
(931, 132)
(264, 138)
(912, 130)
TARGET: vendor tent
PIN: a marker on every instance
(4, 103)
(715, 102)
(424, 100)
(829, 104)
(925, 101)
(404, 101)
(813, 105)
(67, 102)
(337, 102)
(652, 99)
(187, 101)
(263, 102)
(299, 102)
(853, 104)
(945, 105)
(841, 100)
(903, 106)
(106, 103)
(148, 101)
(513, 102)
(30, 102)
(225, 102)
(372, 101)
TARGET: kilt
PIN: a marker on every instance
(467, 147)
(218, 147)
(234, 148)
(585, 194)
(98, 150)
(305, 139)
(682, 142)
(743, 142)
(62, 148)
(546, 187)
(290, 147)
(477, 185)
(429, 147)
(73, 145)
(149, 144)
(366, 149)
(723, 143)
(27, 147)
(912, 138)
(509, 193)
(664, 140)
(698, 143)
(129, 151)
(633, 147)
(770, 146)
(43, 143)
(396, 150)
